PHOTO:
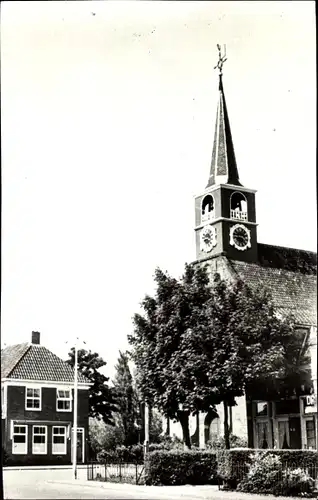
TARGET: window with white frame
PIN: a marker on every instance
(59, 440)
(310, 433)
(39, 440)
(33, 398)
(63, 400)
(19, 439)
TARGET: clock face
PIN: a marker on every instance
(208, 238)
(240, 237)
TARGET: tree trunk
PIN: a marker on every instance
(150, 421)
(168, 427)
(231, 419)
(183, 417)
(226, 426)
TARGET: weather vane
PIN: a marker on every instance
(221, 60)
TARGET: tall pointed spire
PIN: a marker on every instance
(223, 164)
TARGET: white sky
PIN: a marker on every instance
(107, 129)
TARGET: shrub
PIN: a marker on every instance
(104, 437)
(176, 467)
(267, 475)
(233, 464)
(296, 482)
(263, 475)
(135, 453)
(167, 445)
(126, 454)
(219, 443)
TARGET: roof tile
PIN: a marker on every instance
(290, 259)
(37, 363)
(292, 291)
(10, 356)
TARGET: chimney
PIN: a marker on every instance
(35, 337)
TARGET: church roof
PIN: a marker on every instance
(289, 274)
(223, 164)
(290, 259)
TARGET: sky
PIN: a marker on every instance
(107, 114)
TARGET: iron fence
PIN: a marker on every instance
(240, 470)
(282, 475)
(120, 472)
(134, 473)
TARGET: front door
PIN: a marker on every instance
(295, 433)
(80, 445)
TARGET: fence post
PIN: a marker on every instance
(136, 473)
(120, 472)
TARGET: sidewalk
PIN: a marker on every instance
(188, 491)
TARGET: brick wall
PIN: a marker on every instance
(47, 416)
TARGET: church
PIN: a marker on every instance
(226, 241)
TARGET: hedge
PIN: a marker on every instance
(177, 467)
(232, 464)
(131, 454)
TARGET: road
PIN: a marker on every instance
(58, 484)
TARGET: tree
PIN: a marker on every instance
(155, 427)
(297, 379)
(102, 403)
(200, 343)
(157, 347)
(126, 399)
(238, 339)
(103, 436)
(140, 406)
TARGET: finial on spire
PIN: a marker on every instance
(223, 163)
(221, 60)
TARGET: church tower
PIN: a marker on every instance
(225, 218)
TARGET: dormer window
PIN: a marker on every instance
(238, 206)
(207, 208)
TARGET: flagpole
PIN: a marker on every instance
(74, 441)
(146, 442)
